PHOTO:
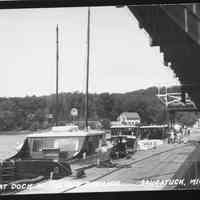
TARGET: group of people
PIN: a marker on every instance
(178, 136)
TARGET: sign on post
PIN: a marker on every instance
(74, 112)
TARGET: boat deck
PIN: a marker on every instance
(145, 170)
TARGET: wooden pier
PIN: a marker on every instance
(169, 166)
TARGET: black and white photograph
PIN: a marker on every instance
(98, 99)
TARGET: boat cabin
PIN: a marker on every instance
(123, 145)
(62, 143)
(55, 151)
(153, 132)
(117, 130)
(151, 136)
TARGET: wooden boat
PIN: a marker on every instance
(151, 136)
(122, 145)
(153, 132)
(52, 154)
(57, 153)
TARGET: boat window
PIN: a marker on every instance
(156, 133)
(70, 144)
(40, 144)
(123, 131)
(152, 133)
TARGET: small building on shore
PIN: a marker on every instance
(129, 118)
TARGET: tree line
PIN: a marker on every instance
(32, 112)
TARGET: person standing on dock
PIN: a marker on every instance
(172, 136)
(179, 137)
(188, 131)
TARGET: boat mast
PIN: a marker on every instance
(57, 59)
(87, 72)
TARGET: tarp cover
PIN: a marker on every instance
(148, 144)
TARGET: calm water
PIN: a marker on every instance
(8, 144)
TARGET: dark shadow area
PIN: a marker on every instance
(189, 170)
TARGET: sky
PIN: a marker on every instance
(121, 59)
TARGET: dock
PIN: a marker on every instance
(168, 167)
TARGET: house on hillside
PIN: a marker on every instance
(115, 123)
(197, 124)
(129, 118)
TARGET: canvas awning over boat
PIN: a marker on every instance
(123, 126)
(155, 126)
(66, 133)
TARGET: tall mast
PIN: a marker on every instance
(57, 59)
(87, 72)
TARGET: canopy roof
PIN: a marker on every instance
(123, 126)
(155, 126)
(130, 115)
(67, 133)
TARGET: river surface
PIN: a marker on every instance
(8, 144)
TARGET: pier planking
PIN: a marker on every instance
(168, 161)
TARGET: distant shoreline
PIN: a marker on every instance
(24, 132)
(15, 132)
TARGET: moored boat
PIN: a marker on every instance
(51, 154)
(60, 151)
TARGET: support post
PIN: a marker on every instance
(186, 19)
(87, 72)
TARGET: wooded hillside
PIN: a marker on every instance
(32, 112)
